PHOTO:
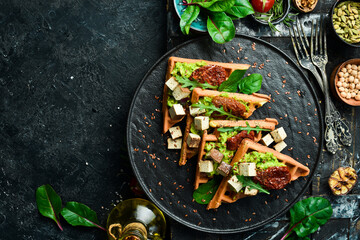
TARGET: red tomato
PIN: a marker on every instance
(262, 6)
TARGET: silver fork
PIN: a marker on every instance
(304, 60)
(319, 58)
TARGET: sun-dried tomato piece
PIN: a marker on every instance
(233, 143)
(212, 74)
(273, 177)
(230, 105)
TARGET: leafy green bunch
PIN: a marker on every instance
(76, 214)
(220, 16)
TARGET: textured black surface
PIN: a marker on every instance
(294, 104)
(68, 71)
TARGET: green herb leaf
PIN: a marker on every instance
(248, 128)
(48, 203)
(78, 214)
(185, 82)
(204, 3)
(221, 5)
(246, 181)
(250, 84)
(231, 84)
(189, 15)
(206, 191)
(211, 108)
(308, 215)
(241, 9)
(220, 27)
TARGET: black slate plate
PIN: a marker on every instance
(170, 187)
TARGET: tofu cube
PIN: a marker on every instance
(174, 143)
(180, 93)
(267, 139)
(251, 192)
(175, 132)
(247, 169)
(206, 166)
(223, 169)
(193, 140)
(201, 122)
(196, 111)
(176, 112)
(280, 146)
(172, 83)
(234, 184)
(216, 155)
(278, 134)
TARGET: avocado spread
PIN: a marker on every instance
(262, 160)
(186, 69)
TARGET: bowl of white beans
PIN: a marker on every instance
(345, 82)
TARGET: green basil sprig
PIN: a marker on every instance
(308, 215)
(77, 214)
(250, 84)
(221, 14)
(231, 84)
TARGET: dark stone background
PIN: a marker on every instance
(68, 72)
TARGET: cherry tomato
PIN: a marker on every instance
(262, 6)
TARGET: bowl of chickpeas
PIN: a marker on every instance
(345, 82)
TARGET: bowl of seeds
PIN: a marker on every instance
(346, 21)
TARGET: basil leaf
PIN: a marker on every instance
(241, 9)
(220, 27)
(48, 203)
(206, 191)
(78, 214)
(250, 84)
(231, 84)
(246, 181)
(189, 15)
(309, 214)
(221, 5)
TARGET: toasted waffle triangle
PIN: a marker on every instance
(254, 100)
(229, 68)
(296, 170)
(268, 123)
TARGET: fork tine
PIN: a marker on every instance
(316, 37)
(303, 32)
(301, 38)
(312, 39)
(294, 46)
(321, 35)
(324, 36)
(297, 42)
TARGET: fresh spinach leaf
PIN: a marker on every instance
(231, 84)
(205, 3)
(250, 84)
(189, 15)
(221, 5)
(49, 203)
(308, 215)
(241, 9)
(247, 128)
(206, 191)
(78, 214)
(246, 181)
(185, 82)
(220, 27)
